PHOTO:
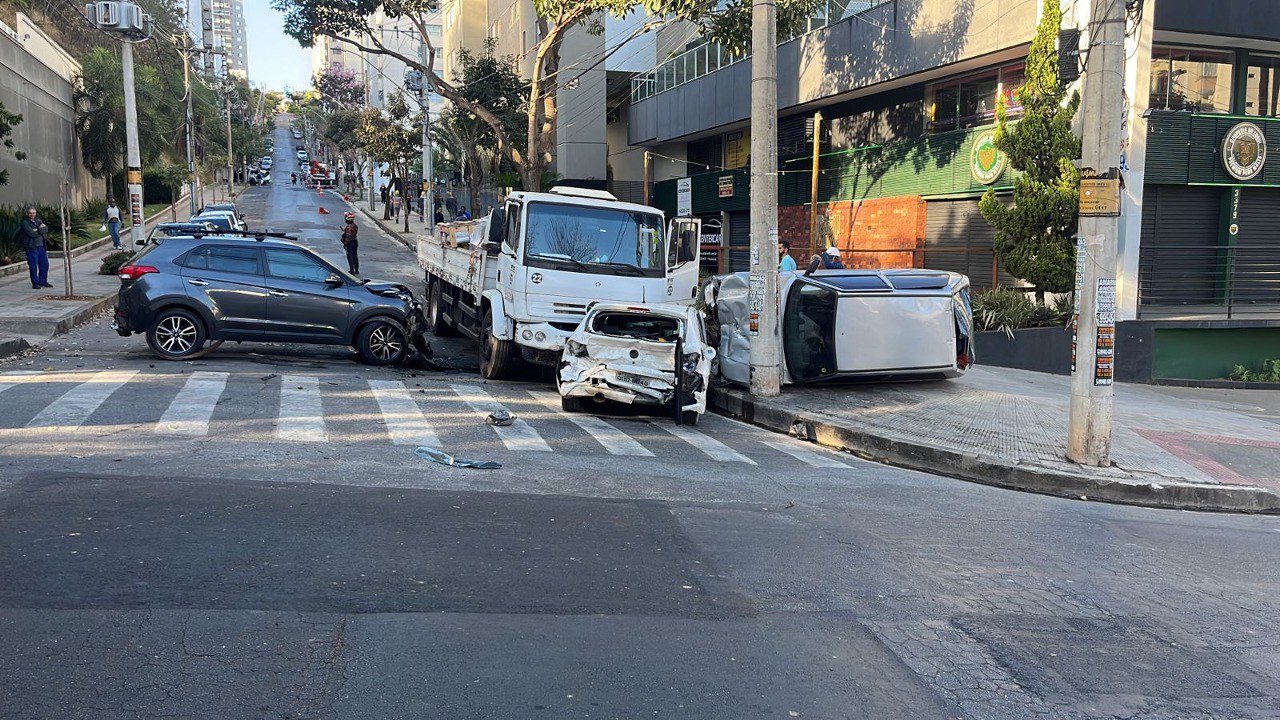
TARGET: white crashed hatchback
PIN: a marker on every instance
(638, 354)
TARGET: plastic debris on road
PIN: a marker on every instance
(500, 418)
(444, 458)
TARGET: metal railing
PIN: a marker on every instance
(710, 57)
(1209, 281)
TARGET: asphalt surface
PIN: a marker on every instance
(251, 535)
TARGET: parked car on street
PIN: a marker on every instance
(184, 292)
(302, 155)
(638, 355)
(845, 324)
(265, 163)
(236, 222)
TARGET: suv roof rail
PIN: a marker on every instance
(258, 235)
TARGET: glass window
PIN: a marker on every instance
(223, 259)
(570, 237)
(978, 99)
(944, 106)
(808, 331)
(1190, 80)
(1012, 79)
(1262, 87)
(296, 265)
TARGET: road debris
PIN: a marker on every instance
(444, 458)
(500, 418)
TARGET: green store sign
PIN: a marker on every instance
(986, 161)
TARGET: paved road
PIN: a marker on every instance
(251, 536)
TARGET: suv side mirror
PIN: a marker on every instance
(334, 280)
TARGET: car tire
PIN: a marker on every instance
(495, 354)
(382, 342)
(571, 404)
(435, 311)
(689, 417)
(176, 334)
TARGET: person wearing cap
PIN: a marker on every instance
(351, 244)
(831, 259)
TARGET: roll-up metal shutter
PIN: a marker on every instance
(959, 239)
(1179, 261)
(739, 241)
(1255, 266)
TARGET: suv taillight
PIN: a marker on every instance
(133, 272)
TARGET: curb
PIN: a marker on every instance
(49, 328)
(379, 222)
(963, 466)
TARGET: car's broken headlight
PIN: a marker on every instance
(575, 348)
(691, 363)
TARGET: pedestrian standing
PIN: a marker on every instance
(385, 194)
(351, 244)
(785, 261)
(831, 259)
(112, 218)
(450, 207)
(34, 235)
(395, 205)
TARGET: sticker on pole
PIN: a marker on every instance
(755, 302)
(1105, 337)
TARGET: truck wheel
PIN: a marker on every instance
(495, 354)
(435, 311)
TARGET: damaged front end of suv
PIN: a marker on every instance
(638, 355)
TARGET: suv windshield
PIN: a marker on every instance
(596, 240)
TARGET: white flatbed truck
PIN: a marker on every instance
(520, 280)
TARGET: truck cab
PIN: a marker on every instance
(555, 254)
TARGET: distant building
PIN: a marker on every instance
(222, 28)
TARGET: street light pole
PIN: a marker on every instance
(428, 171)
(1089, 424)
(765, 345)
(191, 144)
(231, 163)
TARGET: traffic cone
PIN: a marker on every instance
(319, 190)
(323, 211)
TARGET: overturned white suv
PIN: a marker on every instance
(649, 355)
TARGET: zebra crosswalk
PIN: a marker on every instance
(301, 408)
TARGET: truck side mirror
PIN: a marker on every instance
(497, 228)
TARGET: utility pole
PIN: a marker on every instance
(813, 182)
(1089, 426)
(191, 125)
(231, 162)
(137, 229)
(648, 167)
(765, 345)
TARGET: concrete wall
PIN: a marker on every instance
(626, 163)
(887, 42)
(35, 81)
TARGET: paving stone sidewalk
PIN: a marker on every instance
(1172, 447)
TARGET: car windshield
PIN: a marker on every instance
(222, 222)
(593, 239)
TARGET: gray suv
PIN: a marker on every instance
(184, 292)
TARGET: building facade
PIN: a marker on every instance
(907, 91)
(222, 28)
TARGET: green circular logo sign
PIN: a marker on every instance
(1244, 151)
(986, 162)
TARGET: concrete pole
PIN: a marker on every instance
(190, 119)
(133, 154)
(813, 183)
(231, 158)
(765, 345)
(1089, 427)
(648, 169)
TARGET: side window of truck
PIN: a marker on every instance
(513, 226)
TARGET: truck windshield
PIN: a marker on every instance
(596, 240)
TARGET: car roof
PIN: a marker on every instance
(218, 237)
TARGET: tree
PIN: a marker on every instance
(340, 131)
(339, 88)
(1035, 238)
(99, 100)
(7, 121)
(347, 21)
(391, 137)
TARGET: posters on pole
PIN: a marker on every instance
(1105, 339)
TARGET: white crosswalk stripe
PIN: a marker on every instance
(406, 425)
(713, 448)
(519, 435)
(77, 404)
(301, 416)
(805, 455)
(613, 439)
(191, 409)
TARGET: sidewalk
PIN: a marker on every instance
(30, 317)
(393, 227)
(1172, 447)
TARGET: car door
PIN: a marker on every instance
(302, 305)
(228, 281)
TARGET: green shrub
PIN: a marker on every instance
(1269, 372)
(112, 263)
(1007, 309)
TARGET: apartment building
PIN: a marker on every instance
(907, 91)
(222, 28)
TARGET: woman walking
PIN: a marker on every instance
(112, 218)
